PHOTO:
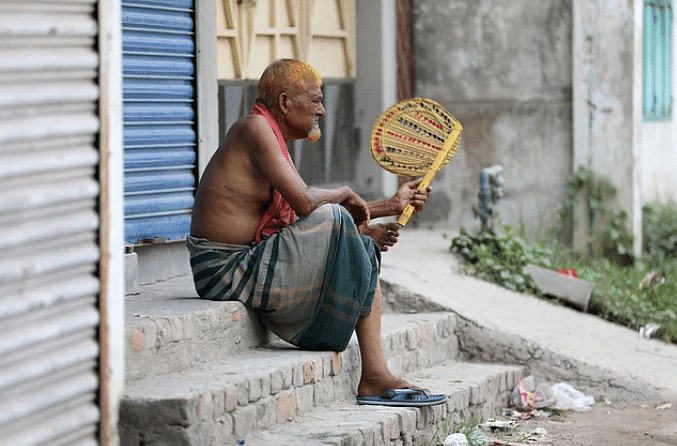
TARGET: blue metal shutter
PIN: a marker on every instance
(158, 48)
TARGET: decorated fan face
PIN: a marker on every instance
(407, 137)
(415, 137)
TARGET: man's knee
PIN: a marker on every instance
(328, 213)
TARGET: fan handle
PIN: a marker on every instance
(432, 170)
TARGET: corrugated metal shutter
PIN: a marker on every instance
(159, 137)
(48, 223)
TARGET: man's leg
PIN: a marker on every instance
(375, 378)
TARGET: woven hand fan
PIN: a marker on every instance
(415, 137)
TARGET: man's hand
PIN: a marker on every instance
(408, 194)
(358, 209)
(385, 235)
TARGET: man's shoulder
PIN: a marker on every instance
(253, 123)
(250, 132)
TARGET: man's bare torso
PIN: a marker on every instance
(233, 195)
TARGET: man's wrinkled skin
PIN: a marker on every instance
(236, 188)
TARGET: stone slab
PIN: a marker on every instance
(572, 290)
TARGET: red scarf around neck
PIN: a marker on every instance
(279, 213)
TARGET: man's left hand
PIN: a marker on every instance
(408, 193)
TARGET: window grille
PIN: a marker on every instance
(657, 49)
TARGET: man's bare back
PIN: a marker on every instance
(229, 211)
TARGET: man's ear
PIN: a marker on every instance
(283, 102)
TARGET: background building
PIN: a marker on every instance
(543, 88)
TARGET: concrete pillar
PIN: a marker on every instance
(376, 88)
(111, 267)
(207, 84)
(606, 119)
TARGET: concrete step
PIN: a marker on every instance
(215, 401)
(168, 328)
(473, 390)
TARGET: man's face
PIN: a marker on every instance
(305, 112)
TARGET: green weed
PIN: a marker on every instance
(630, 290)
(501, 256)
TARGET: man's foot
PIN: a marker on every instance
(385, 235)
(403, 398)
(377, 386)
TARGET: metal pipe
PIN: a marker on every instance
(491, 181)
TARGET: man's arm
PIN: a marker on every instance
(264, 152)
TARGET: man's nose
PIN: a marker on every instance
(320, 111)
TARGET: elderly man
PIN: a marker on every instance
(297, 254)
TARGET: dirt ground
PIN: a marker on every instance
(619, 423)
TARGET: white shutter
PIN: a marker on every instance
(48, 223)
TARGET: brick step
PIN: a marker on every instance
(473, 390)
(215, 401)
(168, 328)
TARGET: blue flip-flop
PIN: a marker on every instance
(403, 398)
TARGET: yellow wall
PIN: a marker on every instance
(253, 33)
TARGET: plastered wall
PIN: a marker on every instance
(505, 71)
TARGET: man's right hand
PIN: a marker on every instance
(358, 209)
(384, 234)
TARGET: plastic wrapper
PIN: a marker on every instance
(532, 394)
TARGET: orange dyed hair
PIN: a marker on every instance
(289, 76)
